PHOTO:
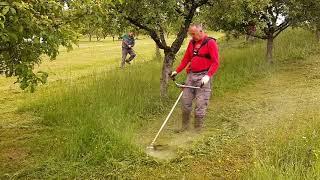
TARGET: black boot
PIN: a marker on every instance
(185, 122)
(128, 61)
(198, 123)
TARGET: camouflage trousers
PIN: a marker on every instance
(125, 52)
(201, 96)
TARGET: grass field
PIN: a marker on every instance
(93, 120)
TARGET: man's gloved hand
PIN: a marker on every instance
(205, 80)
(129, 46)
(173, 75)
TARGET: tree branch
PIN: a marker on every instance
(277, 12)
(179, 11)
(265, 17)
(273, 17)
(153, 34)
(201, 3)
(281, 28)
(258, 36)
(283, 24)
(184, 28)
(162, 38)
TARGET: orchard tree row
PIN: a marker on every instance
(31, 28)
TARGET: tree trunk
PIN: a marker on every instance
(318, 35)
(166, 69)
(158, 53)
(112, 38)
(90, 37)
(269, 56)
(247, 37)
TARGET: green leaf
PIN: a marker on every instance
(2, 19)
(20, 29)
(13, 11)
(4, 4)
(13, 36)
(28, 23)
(43, 77)
(5, 10)
(32, 87)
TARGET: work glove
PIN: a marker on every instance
(173, 75)
(129, 46)
(205, 80)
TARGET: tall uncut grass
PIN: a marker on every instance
(293, 153)
(245, 61)
(96, 117)
(100, 112)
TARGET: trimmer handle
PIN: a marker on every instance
(186, 86)
(182, 85)
(173, 78)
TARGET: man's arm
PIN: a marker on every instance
(186, 59)
(214, 54)
(125, 42)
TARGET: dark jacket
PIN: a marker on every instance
(127, 40)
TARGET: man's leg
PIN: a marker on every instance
(132, 55)
(202, 102)
(187, 98)
(124, 56)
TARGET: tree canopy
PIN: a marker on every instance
(32, 28)
(263, 19)
(27, 31)
(158, 17)
(306, 13)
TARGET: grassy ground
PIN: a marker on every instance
(268, 130)
(262, 121)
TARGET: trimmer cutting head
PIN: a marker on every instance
(157, 147)
(150, 147)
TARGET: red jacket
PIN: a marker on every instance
(198, 64)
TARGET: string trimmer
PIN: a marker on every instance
(152, 146)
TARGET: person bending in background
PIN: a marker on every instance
(202, 61)
(128, 43)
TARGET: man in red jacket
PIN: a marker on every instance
(201, 61)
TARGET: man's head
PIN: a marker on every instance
(131, 33)
(196, 32)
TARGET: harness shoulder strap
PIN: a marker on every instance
(195, 52)
(207, 40)
(204, 42)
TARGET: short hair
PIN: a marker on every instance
(198, 26)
